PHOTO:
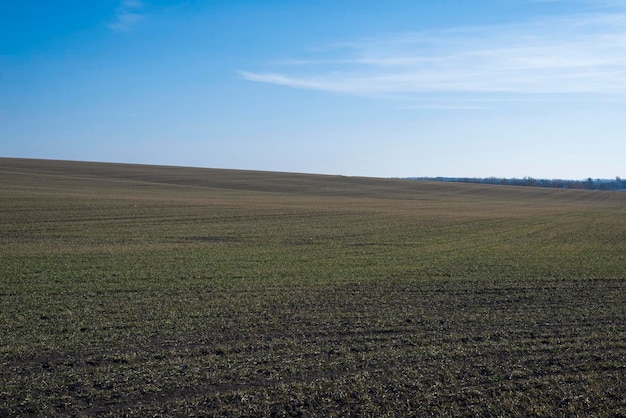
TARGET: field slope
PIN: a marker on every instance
(145, 290)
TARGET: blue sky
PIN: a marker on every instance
(471, 88)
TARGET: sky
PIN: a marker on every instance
(400, 88)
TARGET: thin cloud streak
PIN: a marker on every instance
(576, 54)
(443, 107)
(128, 15)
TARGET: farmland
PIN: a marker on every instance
(144, 290)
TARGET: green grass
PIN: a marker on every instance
(140, 291)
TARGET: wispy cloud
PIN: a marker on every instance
(558, 55)
(434, 106)
(127, 15)
(594, 3)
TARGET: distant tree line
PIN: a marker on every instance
(588, 184)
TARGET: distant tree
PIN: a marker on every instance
(589, 183)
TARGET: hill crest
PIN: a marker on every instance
(283, 182)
